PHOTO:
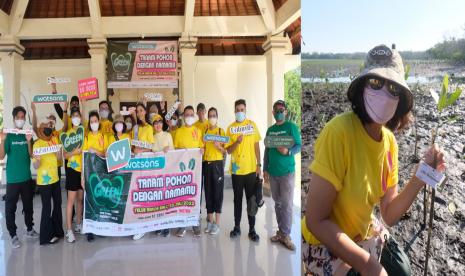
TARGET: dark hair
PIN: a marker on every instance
(200, 106)
(124, 127)
(75, 110)
(212, 109)
(74, 99)
(18, 109)
(189, 107)
(139, 122)
(401, 119)
(104, 102)
(93, 113)
(239, 102)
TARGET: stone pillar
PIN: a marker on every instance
(276, 49)
(10, 62)
(98, 56)
(187, 50)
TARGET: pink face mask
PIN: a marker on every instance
(380, 104)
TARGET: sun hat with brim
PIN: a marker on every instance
(118, 119)
(157, 118)
(385, 63)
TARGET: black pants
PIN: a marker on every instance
(51, 221)
(241, 183)
(214, 185)
(13, 191)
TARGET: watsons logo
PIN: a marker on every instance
(121, 63)
(49, 98)
(247, 129)
(277, 133)
(134, 46)
(145, 164)
(22, 143)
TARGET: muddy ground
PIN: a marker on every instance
(448, 242)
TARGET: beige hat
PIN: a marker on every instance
(118, 118)
(385, 63)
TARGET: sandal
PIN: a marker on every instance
(277, 237)
(287, 242)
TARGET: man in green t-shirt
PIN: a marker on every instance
(18, 147)
(279, 170)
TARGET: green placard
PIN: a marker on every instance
(50, 98)
(279, 141)
(74, 140)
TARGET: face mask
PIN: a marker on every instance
(128, 125)
(380, 104)
(212, 121)
(19, 123)
(104, 113)
(76, 121)
(279, 116)
(94, 126)
(189, 120)
(240, 116)
(174, 122)
(48, 131)
(119, 127)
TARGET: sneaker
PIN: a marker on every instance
(235, 232)
(137, 237)
(70, 236)
(165, 233)
(158, 232)
(277, 237)
(15, 243)
(253, 236)
(215, 229)
(181, 232)
(32, 234)
(90, 237)
(77, 228)
(260, 204)
(196, 230)
(287, 242)
(54, 240)
(208, 229)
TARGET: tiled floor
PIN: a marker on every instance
(154, 255)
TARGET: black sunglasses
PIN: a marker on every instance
(378, 83)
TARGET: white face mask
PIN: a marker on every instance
(380, 104)
(128, 125)
(189, 120)
(104, 113)
(94, 126)
(174, 122)
(19, 123)
(213, 121)
(76, 121)
(119, 127)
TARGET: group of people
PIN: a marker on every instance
(164, 135)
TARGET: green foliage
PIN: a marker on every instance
(451, 50)
(407, 71)
(293, 95)
(447, 99)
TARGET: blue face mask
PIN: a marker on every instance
(279, 116)
(240, 116)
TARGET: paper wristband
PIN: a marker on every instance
(429, 175)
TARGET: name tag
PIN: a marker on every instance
(18, 131)
(46, 150)
(141, 144)
(429, 175)
(279, 141)
(215, 138)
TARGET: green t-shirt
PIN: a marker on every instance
(278, 164)
(18, 163)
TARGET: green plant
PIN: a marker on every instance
(444, 100)
(293, 95)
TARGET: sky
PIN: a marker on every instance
(345, 26)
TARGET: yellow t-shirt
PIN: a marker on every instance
(173, 133)
(202, 126)
(360, 169)
(75, 161)
(56, 135)
(97, 141)
(47, 173)
(162, 140)
(106, 127)
(188, 138)
(112, 139)
(211, 152)
(243, 159)
(145, 133)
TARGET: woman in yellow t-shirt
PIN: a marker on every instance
(143, 131)
(73, 180)
(95, 141)
(213, 173)
(51, 228)
(119, 130)
(355, 167)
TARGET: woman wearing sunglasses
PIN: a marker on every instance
(355, 168)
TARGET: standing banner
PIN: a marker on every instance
(142, 64)
(88, 88)
(152, 192)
